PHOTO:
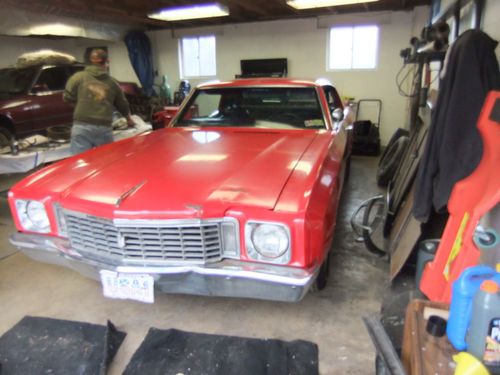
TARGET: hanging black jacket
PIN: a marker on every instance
(454, 146)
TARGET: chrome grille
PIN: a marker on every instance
(145, 242)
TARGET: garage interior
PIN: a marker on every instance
(361, 319)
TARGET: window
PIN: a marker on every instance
(52, 79)
(197, 55)
(259, 107)
(353, 47)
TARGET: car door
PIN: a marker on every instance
(48, 108)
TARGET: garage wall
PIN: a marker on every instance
(491, 21)
(304, 44)
(120, 66)
(12, 47)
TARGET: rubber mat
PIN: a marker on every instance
(58, 347)
(172, 352)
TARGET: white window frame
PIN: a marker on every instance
(182, 58)
(351, 68)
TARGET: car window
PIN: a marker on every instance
(51, 79)
(332, 97)
(261, 107)
(16, 81)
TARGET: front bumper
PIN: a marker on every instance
(228, 278)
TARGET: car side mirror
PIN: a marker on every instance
(338, 114)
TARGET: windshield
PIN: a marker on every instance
(16, 81)
(260, 107)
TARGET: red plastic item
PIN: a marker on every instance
(162, 118)
(470, 199)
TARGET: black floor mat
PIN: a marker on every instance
(58, 347)
(166, 352)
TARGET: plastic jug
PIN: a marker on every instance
(463, 290)
(483, 337)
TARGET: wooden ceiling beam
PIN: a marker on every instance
(250, 6)
(133, 12)
(79, 10)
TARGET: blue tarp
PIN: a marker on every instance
(141, 57)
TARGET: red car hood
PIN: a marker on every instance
(175, 171)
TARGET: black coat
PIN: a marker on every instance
(454, 146)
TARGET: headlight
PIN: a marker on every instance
(33, 216)
(268, 241)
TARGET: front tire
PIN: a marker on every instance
(323, 274)
(6, 137)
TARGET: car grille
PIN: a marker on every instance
(147, 243)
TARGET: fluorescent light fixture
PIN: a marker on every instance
(190, 12)
(56, 29)
(308, 4)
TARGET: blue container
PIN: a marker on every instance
(463, 291)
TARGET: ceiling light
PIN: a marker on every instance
(190, 12)
(307, 4)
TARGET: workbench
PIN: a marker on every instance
(41, 153)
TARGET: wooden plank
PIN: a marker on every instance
(404, 235)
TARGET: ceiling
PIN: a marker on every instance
(134, 12)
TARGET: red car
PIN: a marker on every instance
(237, 197)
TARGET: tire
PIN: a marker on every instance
(322, 278)
(373, 225)
(59, 133)
(389, 163)
(397, 134)
(6, 137)
(347, 171)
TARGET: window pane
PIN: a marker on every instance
(190, 57)
(52, 79)
(340, 48)
(198, 56)
(207, 56)
(365, 42)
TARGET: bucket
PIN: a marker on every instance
(467, 364)
(426, 252)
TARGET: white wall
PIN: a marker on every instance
(491, 21)
(120, 67)
(304, 44)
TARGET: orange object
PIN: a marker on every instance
(470, 199)
(489, 286)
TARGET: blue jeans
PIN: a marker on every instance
(86, 136)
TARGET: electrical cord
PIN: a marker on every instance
(400, 82)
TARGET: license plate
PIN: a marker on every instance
(138, 287)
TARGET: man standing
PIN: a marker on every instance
(95, 95)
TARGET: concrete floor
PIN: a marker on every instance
(331, 318)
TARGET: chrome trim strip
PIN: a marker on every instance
(229, 269)
(128, 193)
(121, 222)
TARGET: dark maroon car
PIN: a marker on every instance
(31, 99)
